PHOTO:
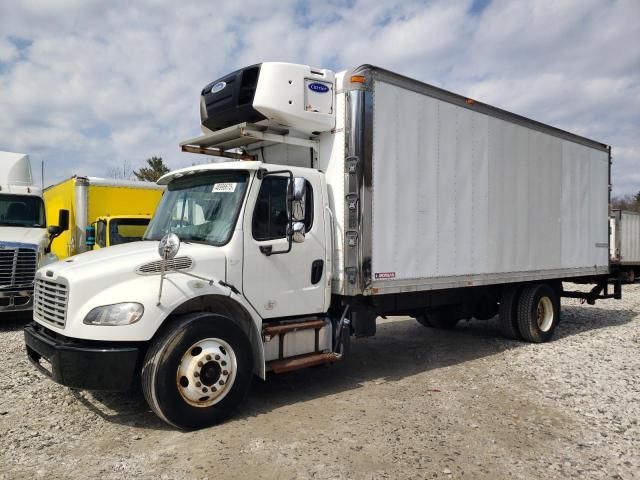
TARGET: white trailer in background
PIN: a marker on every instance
(356, 194)
(625, 243)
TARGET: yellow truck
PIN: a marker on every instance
(102, 212)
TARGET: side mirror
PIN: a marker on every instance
(298, 196)
(63, 219)
(90, 236)
(54, 231)
(298, 232)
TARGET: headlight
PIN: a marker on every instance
(117, 314)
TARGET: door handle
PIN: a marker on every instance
(316, 271)
(266, 249)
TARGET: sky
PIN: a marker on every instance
(89, 86)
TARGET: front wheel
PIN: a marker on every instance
(197, 371)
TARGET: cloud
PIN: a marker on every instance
(88, 85)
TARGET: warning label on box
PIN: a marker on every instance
(384, 275)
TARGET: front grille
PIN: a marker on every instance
(178, 263)
(50, 302)
(17, 267)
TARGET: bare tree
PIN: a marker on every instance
(627, 202)
(122, 172)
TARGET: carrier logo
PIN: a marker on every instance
(218, 87)
(384, 275)
(318, 87)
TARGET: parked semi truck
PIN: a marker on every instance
(351, 196)
(25, 241)
(625, 243)
(102, 212)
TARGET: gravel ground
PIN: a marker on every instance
(411, 402)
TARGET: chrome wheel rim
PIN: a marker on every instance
(206, 372)
(545, 314)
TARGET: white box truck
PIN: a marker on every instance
(354, 195)
(625, 243)
(25, 241)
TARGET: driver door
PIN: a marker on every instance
(284, 284)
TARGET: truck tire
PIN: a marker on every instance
(631, 275)
(538, 312)
(441, 319)
(508, 313)
(198, 370)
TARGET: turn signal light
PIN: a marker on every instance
(358, 79)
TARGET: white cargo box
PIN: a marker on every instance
(462, 197)
(625, 237)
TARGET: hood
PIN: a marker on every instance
(28, 235)
(113, 262)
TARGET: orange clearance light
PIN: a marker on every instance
(469, 101)
(358, 79)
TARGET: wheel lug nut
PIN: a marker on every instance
(205, 389)
(208, 357)
(225, 372)
(198, 384)
(200, 364)
(214, 389)
(224, 364)
(221, 382)
(217, 357)
(196, 374)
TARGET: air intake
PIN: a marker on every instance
(178, 263)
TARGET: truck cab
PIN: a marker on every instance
(248, 249)
(25, 239)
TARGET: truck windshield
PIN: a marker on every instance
(22, 211)
(125, 230)
(200, 208)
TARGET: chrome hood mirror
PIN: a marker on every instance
(169, 246)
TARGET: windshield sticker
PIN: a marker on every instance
(224, 187)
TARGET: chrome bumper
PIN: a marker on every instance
(16, 300)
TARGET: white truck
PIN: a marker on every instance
(625, 243)
(352, 195)
(25, 240)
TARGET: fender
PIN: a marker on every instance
(238, 311)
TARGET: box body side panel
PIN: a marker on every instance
(460, 196)
(104, 200)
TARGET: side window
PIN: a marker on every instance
(101, 233)
(308, 209)
(270, 215)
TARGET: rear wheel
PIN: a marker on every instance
(538, 312)
(197, 371)
(631, 276)
(508, 314)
